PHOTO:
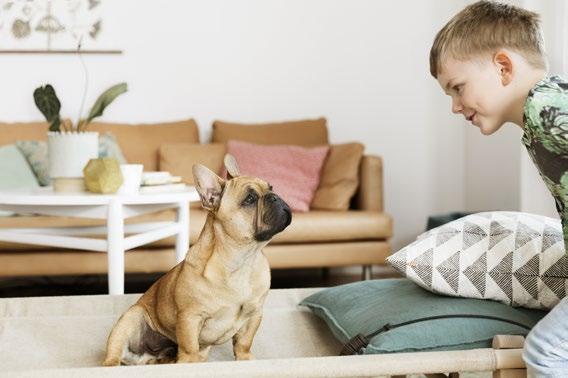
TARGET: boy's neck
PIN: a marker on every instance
(527, 81)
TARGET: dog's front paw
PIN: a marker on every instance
(244, 356)
(188, 358)
(111, 362)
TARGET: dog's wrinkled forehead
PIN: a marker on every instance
(244, 184)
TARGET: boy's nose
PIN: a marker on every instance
(456, 107)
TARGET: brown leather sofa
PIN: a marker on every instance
(319, 238)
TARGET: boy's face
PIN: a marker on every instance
(477, 92)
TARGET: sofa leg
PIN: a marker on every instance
(367, 272)
(325, 273)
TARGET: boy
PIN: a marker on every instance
(490, 60)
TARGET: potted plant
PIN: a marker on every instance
(70, 147)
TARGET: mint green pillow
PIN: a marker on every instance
(109, 147)
(15, 173)
(366, 306)
(35, 152)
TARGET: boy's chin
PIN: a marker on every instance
(488, 129)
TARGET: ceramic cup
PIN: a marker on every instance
(131, 178)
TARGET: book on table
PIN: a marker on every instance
(159, 178)
(165, 188)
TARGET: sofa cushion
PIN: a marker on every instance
(140, 143)
(313, 226)
(293, 171)
(367, 306)
(515, 258)
(339, 177)
(179, 158)
(320, 226)
(311, 132)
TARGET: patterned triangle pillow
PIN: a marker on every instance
(511, 257)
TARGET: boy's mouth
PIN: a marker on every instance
(470, 117)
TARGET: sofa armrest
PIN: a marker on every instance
(369, 195)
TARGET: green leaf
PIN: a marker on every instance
(48, 104)
(55, 124)
(104, 100)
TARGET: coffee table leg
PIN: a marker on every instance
(182, 238)
(115, 248)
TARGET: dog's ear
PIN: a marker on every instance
(208, 185)
(231, 166)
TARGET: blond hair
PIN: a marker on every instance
(486, 26)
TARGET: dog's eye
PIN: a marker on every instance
(251, 199)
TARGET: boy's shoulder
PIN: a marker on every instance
(549, 89)
(546, 113)
(550, 92)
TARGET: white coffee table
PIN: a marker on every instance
(115, 209)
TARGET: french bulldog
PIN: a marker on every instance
(217, 293)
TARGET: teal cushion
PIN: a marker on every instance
(364, 307)
(15, 173)
(35, 152)
(108, 147)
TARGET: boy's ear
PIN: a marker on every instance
(504, 64)
(209, 186)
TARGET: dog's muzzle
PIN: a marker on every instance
(277, 216)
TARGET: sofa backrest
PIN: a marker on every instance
(300, 133)
(12, 132)
(140, 143)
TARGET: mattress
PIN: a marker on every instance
(66, 336)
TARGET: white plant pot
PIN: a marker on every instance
(69, 152)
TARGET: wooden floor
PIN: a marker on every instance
(139, 283)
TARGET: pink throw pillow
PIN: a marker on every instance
(293, 171)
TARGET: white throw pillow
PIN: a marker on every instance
(514, 258)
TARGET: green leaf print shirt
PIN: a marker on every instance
(546, 139)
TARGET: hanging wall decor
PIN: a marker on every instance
(53, 26)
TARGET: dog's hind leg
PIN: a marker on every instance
(129, 325)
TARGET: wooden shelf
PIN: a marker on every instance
(60, 52)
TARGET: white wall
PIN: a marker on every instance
(362, 64)
(492, 168)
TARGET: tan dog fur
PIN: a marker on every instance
(218, 291)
